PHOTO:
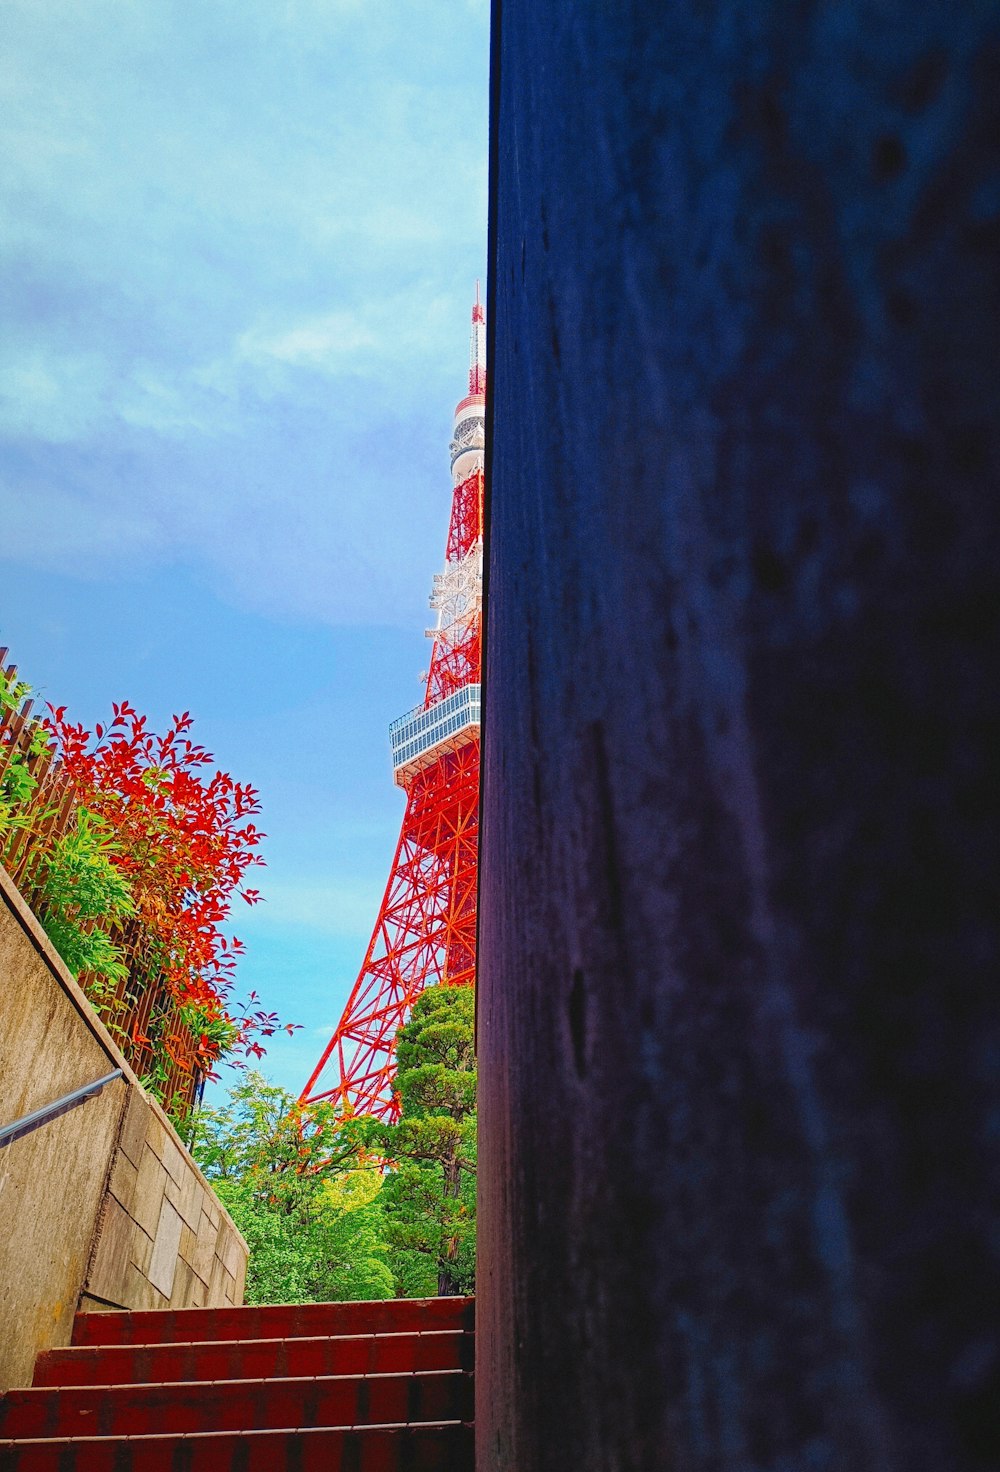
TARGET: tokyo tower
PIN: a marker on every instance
(426, 927)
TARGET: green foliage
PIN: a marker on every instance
(12, 692)
(81, 886)
(429, 1196)
(213, 1025)
(17, 785)
(311, 1215)
(260, 1137)
(11, 820)
(320, 1252)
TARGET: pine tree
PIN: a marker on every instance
(429, 1195)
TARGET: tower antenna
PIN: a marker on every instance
(477, 366)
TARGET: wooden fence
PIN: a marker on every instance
(142, 1006)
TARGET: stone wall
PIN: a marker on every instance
(162, 1240)
(737, 1001)
(103, 1207)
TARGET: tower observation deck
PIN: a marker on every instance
(425, 931)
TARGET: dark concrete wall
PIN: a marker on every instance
(737, 1017)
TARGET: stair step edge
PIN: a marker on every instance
(162, 1325)
(99, 1349)
(146, 1436)
(39, 1390)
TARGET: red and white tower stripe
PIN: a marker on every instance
(426, 927)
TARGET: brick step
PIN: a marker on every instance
(275, 1321)
(441, 1448)
(257, 1359)
(235, 1405)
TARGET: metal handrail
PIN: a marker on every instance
(38, 1117)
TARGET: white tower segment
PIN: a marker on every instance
(468, 441)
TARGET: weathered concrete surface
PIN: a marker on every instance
(103, 1204)
(52, 1182)
(737, 1008)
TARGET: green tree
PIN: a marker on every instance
(429, 1195)
(311, 1213)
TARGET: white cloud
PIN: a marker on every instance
(336, 338)
(51, 396)
(405, 332)
(234, 285)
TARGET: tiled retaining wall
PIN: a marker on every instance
(163, 1240)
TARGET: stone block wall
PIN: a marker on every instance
(102, 1208)
(162, 1238)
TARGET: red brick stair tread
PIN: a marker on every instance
(442, 1447)
(272, 1321)
(253, 1359)
(231, 1405)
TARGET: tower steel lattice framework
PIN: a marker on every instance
(426, 927)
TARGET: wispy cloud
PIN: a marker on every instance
(234, 284)
(337, 339)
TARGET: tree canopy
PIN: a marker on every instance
(294, 1186)
(338, 1209)
(429, 1195)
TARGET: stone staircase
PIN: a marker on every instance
(323, 1387)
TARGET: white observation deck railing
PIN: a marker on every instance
(419, 738)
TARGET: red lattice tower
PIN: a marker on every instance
(426, 927)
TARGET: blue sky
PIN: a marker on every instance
(238, 248)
